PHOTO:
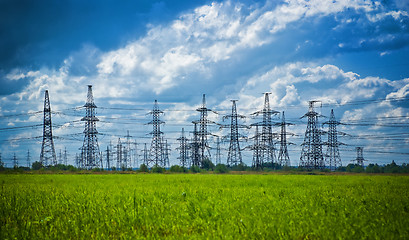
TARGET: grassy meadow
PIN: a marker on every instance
(182, 206)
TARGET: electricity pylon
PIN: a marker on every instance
(15, 161)
(204, 148)
(332, 157)
(283, 157)
(266, 150)
(183, 149)
(145, 154)
(47, 155)
(108, 157)
(311, 153)
(156, 152)
(119, 155)
(166, 149)
(256, 147)
(90, 155)
(28, 159)
(194, 146)
(359, 156)
(218, 151)
(234, 157)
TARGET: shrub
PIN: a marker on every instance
(194, 169)
(37, 165)
(143, 168)
(157, 169)
(177, 168)
(221, 168)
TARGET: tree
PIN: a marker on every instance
(143, 168)
(221, 168)
(37, 165)
(207, 164)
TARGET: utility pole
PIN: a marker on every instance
(183, 149)
(266, 150)
(156, 151)
(90, 153)
(311, 153)
(283, 157)
(47, 155)
(332, 157)
(234, 155)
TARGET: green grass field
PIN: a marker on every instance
(209, 206)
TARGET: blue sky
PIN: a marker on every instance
(351, 55)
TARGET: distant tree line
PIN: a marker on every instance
(208, 166)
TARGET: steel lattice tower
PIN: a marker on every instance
(127, 151)
(204, 148)
(257, 148)
(311, 153)
(332, 157)
(218, 152)
(234, 155)
(166, 150)
(156, 157)
(90, 155)
(108, 151)
(119, 155)
(183, 150)
(47, 155)
(195, 147)
(15, 161)
(283, 157)
(145, 154)
(267, 150)
(28, 158)
(360, 156)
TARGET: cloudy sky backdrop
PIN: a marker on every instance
(353, 56)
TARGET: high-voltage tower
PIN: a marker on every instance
(204, 148)
(119, 155)
(156, 155)
(283, 157)
(145, 154)
(311, 152)
(234, 155)
(194, 146)
(266, 149)
(15, 161)
(332, 157)
(256, 147)
(183, 150)
(166, 150)
(90, 155)
(359, 156)
(47, 155)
